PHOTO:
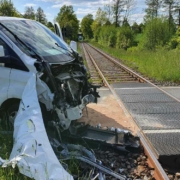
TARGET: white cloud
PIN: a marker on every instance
(62, 4)
(57, 6)
(84, 7)
(86, 11)
(53, 1)
(30, 5)
(86, 3)
(137, 18)
(48, 14)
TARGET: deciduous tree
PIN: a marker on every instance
(156, 33)
(68, 22)
(86, 26)
(152, 9)
(169, 6)
(117, 8)
(40, 16)
(50, 26)
(101, 17)
(29, 13)
(7, 8)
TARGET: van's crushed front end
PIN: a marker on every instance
(73, 92)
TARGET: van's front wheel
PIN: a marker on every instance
(9, 117)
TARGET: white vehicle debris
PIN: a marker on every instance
(32, 151)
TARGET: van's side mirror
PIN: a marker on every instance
(58, 30)
(2, 54)
(73, 45)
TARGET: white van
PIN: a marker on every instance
(26, 47)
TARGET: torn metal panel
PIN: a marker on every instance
(44, 94)
(32, 151)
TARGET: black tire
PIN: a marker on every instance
(9, 117)
(10, 113)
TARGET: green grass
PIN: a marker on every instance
(162, 65)
(5, 149)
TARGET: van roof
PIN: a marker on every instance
(12, 18)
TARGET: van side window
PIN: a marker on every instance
(16, 62)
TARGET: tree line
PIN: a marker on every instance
(111, 26)
(7, 9)
(66, 17)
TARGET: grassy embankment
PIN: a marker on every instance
(162, 65)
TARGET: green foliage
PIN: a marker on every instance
(95, 26)
(111, 36)
(107, 36)
(50, 26)
(175, 40)
(101, 17)
(137, 39)
(86, 26)
(29, 13)
(69, 22)
(152, 9)
(117, 9)
(40, 16)
(8, 173)
(125, 37)
(7, 9)
(136, 28)
(100, 20)
(157, 33)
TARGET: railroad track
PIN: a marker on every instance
(101, 64)
(111, 71)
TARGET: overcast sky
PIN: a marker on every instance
(81, 7)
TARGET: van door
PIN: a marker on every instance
(4, 75)
(58, 30)
(4, 83)
(13, 74)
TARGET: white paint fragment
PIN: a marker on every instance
(32, 151)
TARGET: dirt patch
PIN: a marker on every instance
(108, 113)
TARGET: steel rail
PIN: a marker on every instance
(134, 74)
(160, 174)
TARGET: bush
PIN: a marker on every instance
(175, 40)
(107, 36)
(112, 39)
(133, 49)
(157, 33)
(124, 38)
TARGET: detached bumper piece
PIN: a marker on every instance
(116, 138)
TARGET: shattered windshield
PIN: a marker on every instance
(38, 38)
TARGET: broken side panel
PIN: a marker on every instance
(32, 151)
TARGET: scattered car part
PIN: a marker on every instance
(119, 139)
(32, 151)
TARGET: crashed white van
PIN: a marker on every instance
(26, 47)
